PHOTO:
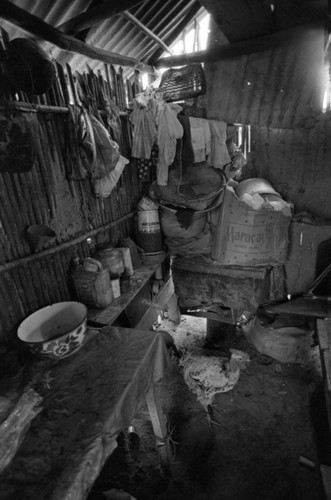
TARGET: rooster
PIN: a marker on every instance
(207, 376)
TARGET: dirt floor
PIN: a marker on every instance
(272, 419)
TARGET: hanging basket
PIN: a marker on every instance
(182, 83)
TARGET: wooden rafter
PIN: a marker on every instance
(147, 31)
(237, 49)
(96, 15)
(36, 27)
(192, 11)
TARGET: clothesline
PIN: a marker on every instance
(158, 122)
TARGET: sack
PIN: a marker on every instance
(172, 228)
(183, 83)
(191, 246)
(288, 344)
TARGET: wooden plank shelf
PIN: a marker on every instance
(108, 315)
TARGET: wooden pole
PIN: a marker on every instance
(36, 27)
(147, 31)
(63, 246)
(96, 15)
(237, 49)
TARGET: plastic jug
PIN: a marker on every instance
(112, 258)
(91, 282)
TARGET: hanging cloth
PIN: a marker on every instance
(169, 130)
(144, 131)
(184, 150)
(219, 155)
(200, 134)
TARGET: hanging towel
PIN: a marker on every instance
(200, 135)
(219, 155)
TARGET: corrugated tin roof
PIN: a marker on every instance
(121, 36)
(165, 18)
(237, 20)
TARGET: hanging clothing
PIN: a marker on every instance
(143, 167)
(144, 131)
(184, 150)
(201, 136)
(169, 130)
(219, 155)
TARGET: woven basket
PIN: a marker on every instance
(183, 83)
(181, 192)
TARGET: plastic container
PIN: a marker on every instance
(149, 230)
(115, 285)
(111, 258)
(135, 257)
(91, 282)
(125, 283)
(127, 260)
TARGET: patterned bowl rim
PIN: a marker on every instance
(36, 342)
(54, 339)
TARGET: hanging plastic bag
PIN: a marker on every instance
(107, 151)
(104, 186)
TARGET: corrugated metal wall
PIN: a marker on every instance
(280, 93)
(280, 88)
(297, 163)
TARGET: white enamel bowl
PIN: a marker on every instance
(55, 331)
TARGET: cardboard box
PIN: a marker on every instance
(248, 237)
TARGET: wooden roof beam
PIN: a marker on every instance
(96, 15)
(38, 28)
(176, 30)
(245, 47)
(147, 31)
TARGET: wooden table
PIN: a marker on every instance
(88, 398)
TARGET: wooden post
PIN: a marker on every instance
(159, 424)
